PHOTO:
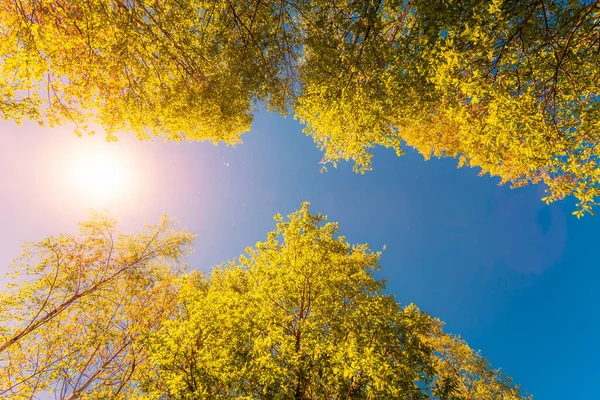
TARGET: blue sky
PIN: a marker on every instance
(514, 277)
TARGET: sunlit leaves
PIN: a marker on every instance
(509, 87)
(173, 69)
(72, 321)
(302, 316)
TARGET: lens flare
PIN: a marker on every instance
(100, 177)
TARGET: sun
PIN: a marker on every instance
(100, 176)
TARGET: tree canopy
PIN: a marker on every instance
(73, 318)
(301, 315)
(509, 86)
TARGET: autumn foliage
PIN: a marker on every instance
(508, 86)
(301, 315)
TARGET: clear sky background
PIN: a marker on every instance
(515, 278)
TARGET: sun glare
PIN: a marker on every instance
(100, 176)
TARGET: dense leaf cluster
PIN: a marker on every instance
(300, 316)
(508, 86)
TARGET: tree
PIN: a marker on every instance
(72, 322)
(176, 69)
(301, 316)
(107, 316)
(508, 86)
